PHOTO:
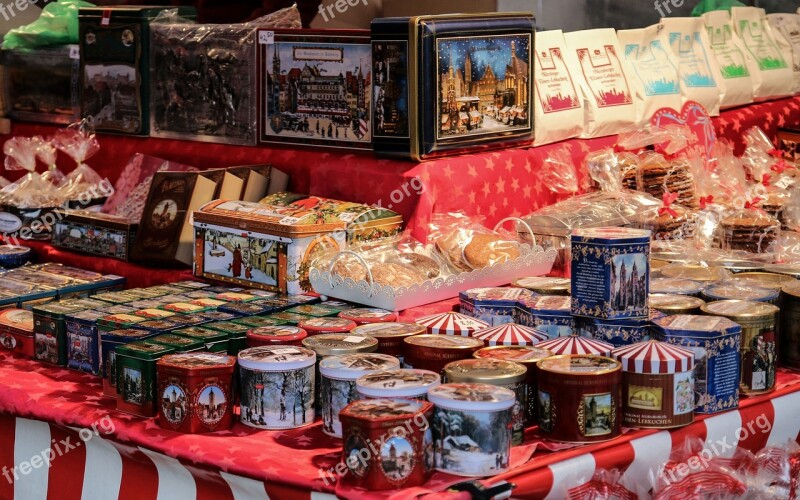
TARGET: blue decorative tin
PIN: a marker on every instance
(617, 332)
(83, 349)
(492, 305)
(678, 286)
(738, 292)
(14, 256)
(216, 316)
(548, 313)
(715, 343)
(610, 272)
(195, 319)
(246, 308)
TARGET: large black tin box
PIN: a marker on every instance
(115, 59)
(451, 84)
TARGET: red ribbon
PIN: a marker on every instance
(668, 199)
(775, 153)
(618, 148)
(752, 203)
(765, 180)
(780, 166)
(705, 201)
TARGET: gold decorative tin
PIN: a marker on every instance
(696, 272)
(545, 285)
(432, 351)
(770, 280)
(669, 303)
(792, 270)
(758, 348)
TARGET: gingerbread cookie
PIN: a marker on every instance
(395, 275)
(422, 263)
(489, 249)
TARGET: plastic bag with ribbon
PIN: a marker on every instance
(750, 230)
(83, 187)
(30, 191)
(777, 472)
(559, 173)
(612, 169)
(604, 485)
(46, 153)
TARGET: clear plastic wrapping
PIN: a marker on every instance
(46, 153)
(30, 191)
(558, 172)
(83, 183)
(750, 229)
(467, 245)
(612, 169)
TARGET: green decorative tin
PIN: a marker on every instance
(317, 310)
(136, 376)
(214, 340)
(109, 341)
(290, 318)
(178, 342)
(119, 321)
(50, 332)
(259, 321)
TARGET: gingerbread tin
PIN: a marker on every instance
(545, 285)
(433, 352)
(390, 335)
(678, 286)
(400, 383)
(16, 331)
(50, 332)
(277, 387)
(452, 323)
(258, 321)
(669, 303)
(497, 372)
(493, 305)
(657, 385)
(789, 338)
(482, 448)
(575, 344)
(610, 272)
(136, 377)
(547, 313)
(617, 332)
(527, 356)
(401, 427)
(289, 318)
(365, 315)
(318, 326)
(178, 343)
(715, 342)
(318, 310)
(739, 292)
(759, 347)
(213, 340)
(275, 335)
(109, 341)
(83, 341)
(337, 386)
(580, 398)
(194, 392)
(510, 334)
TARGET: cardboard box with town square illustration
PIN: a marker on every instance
(451, 84)
(271, 244)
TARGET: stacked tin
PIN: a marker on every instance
(510, 334)
(452, 323)
(322, 325)
(759, 356)
(136, 377)
(433, 352)
(547, 313)
(657, 385)
(402, 383)
(494, 306)
(389, 335)
(16, 331)
(275, 335)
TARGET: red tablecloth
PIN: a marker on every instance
(138, 459)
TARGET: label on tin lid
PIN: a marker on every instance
(174, 339)
(314, 310)
(445, 341)
(276, 331)
(123, 318)
(579, 364)
(149, 348)
(290, 316)
(690, 322)
(366, 312)
(472, 397)
(495, 293)
(13, 250)
(284, 357)
(328, 323)
(383, 408)
(191, 359)
(484, 371)
(154, 313)
(397, 380)
(183, 307)
(284, 350)
(236, 297)
(389, 329)
(465, 322)
(354, 339)
(346, 366)
(197, 331)
(17, 318)
(522, 353)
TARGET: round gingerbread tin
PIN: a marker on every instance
(14, 256)
(497, 372)
(762, 280)
(401, 429)
(364, 315)
(452, 323)
(669, 303)
(575, 344)
(657, 385)
(337, 386)
(390, 335)
(194, 391)
(433, 352)
(580, 398)
(484, 447)
(277, 387)
(725, 291)
(275, 335)
(696, 272)
(401, 383)
(318, 326)
(510, 334)
(545, 285)
(789, 269)
(759, 343)
(679, 286)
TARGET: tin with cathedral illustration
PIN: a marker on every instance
(194, 392)
(610, 273)
(451, 84)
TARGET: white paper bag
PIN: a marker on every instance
(557, 99)
(594, 61)
(730, 55)
(651, 71)
(772, 76)
(697, 67)
(786, 28)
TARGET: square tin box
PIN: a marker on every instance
(315, 88)
(109, 341)
(50, 332)
(271, 244)
(115, 62)
(715, 342)
(610, 272)
(136, 377)
(451, 84)
(16, 331)
(493, 305)
(83, 341)
(617, 332)
(548, 313)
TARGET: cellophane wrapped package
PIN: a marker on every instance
(30, 191)
(46, 153)
(466, 245)
(83, 187)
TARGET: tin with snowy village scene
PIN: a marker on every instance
(337, 386)
(610, 272)
(451, 84)
(270, 245)
(400, 434)
(277, 387)
(194, 392)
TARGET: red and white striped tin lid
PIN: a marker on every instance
(510, 334)
(653, 356)
(452, 323)
(575, 344)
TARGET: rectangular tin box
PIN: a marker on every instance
(95, 234)
(451, 84)
(492, 305)
(548, 313)
(270, 245)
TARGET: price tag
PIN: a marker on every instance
(74, 52)
(266, 37)
(354, 339)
